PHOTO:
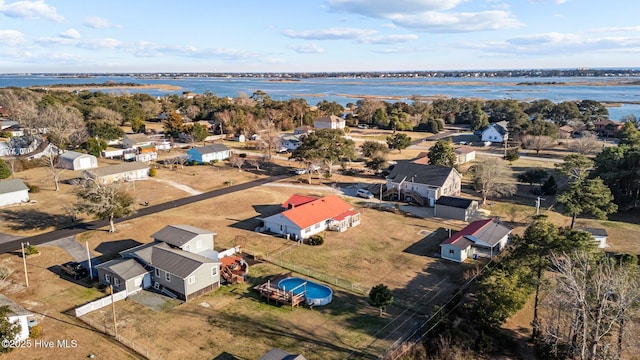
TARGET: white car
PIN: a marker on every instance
(364, 194)
(300, 171)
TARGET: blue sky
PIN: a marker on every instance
(315, 35)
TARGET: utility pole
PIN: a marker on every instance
(89, 260)
(24, 260)
(538, 199)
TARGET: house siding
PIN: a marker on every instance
(280, 224)
(24, 326)
(492, 135)
(453, 253)
(125, 176)
(195, 155)
(203, 280)
(15, 197)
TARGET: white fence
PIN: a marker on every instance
(229, 252)
(100, 303)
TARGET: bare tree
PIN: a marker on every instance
(224, 118)
(269, 137)
(105, 201)
(491, 178)
(65, 125)
(587, 144)
(54, 169)
(589, 304)
(151, 109)
(236, 160)
(538, 142)
(23, 107)
(106, 115)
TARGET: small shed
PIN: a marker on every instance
(13, 191)
(73, 160)
(599, 235)
(453, 207)
(465, 154)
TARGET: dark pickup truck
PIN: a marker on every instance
(75, 270)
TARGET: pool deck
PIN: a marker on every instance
(272, 292)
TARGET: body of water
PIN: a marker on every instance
(345, 90)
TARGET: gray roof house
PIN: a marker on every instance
(13, 191)
(423, 184)
(495, 132)
(482, 238)
(453, 207)
(188, 238)
(127, 171)
(209, 153)
(279, 354)
(184, 274)
(124, 274)
(599, 235)
(17, 315)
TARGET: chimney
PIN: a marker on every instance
(291, 206)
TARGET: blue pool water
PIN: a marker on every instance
(316, 295)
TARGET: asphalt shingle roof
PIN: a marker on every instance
(423, 174)
(178, 235)
(210, 149)
(13, 185)
(125, 268)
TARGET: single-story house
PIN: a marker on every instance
(279, 354)
(208, 153)
(17, 315)
(329, 122)
(481, 238)
(465, 154)
(13, 191)
(188, 238)
(291, 142)
(127, 171)
(303, 130)
(134, 141)
(73, 160)
(565, 132)
(599, 235)
(453, 207)
(495, 133)
(112, 152)
(124, 274)
(311, 217)
(423, 184)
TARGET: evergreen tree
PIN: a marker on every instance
(380, 296)
(442, 154)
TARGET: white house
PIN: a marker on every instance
(599, 235)
(291, 142)
(127, 171)
(17, 315)
(306, 216)
(482, 238)
(133, 141)
(423, 184)
(208, 153)
(73, 160)
(495, 133)
(329, 122)
(465, 154)
(13, 191)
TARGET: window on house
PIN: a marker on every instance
(307, 229)
(451, 251)
(187, 247)
(214, 271)
(116, 281)
(316, 226)
(107, 278)
(137, 282)
(192, 280)
(157, 272)
(167, 276)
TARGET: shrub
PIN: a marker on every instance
(153, 172)
(30, 250)
(512, 154)
(36, 331)
(315, 240)
(33, 188)
(215, 161)
(243, 155)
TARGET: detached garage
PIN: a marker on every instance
(13, 191)
(453, 207)
(77, 161)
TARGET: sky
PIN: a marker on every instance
(316, 35)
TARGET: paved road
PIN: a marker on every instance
(14, 245)
(523, 157)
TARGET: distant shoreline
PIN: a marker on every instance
(115, 86)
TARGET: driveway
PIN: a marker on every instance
(70, 245)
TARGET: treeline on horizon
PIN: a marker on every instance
(487, 73)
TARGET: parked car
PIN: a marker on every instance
(300, 171)
(74, 269)
(363, 193)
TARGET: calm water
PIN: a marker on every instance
(345, 90)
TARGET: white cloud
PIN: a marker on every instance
(11, 37)
(388, 39)
(328, 34)
(98, 23)
(553, 1)
(458, 22)
(70, 34)
(386, 8)
(307, 49)
(30, 10)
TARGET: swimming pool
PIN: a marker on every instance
(316, 294)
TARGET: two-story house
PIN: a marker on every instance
(422, 184)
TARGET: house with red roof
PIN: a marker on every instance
(482, 238)
(305, 216)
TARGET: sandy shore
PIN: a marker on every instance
(107, 87)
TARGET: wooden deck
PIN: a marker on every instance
(272, 292)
